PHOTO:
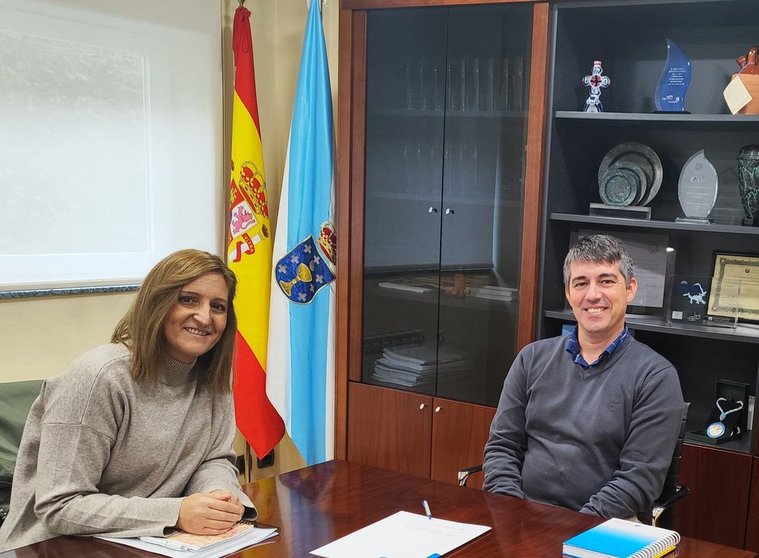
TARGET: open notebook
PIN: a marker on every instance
(184, 545)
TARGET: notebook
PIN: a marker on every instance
(618, 538)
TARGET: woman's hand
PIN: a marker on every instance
(209, 513)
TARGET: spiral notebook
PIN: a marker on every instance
(618, 538)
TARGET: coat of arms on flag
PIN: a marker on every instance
(247, 199)
(305, 269)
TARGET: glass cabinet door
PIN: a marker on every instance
(446, 105)
(483, 187)
(405, 119)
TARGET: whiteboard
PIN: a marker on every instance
(110, 137)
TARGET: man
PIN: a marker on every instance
(588, 421)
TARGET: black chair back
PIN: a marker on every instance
(662, 514)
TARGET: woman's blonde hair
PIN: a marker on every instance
(141, 328)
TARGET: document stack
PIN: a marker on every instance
(495, 292)
(415, 366)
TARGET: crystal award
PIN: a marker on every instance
(697, 189)
(674, 81)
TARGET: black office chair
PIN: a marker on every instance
(662, 513)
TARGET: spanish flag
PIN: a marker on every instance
(249, 252)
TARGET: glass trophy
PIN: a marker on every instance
(697, 189)
(674, 81)
(688, 299)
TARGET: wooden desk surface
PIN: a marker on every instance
(319, 504)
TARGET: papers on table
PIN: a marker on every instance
(251, 537)
(403, 535)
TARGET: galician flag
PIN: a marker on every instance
(301, 345)
(249, 252)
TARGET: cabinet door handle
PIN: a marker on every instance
(438, 409)
(449, 211)
(432, 210)
(422, 406)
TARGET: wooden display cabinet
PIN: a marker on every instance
(441, 117)
(416, 434)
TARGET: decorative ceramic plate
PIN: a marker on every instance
(642, 178)
(619, 186)
(642, 156)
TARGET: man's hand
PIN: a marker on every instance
(209, 513)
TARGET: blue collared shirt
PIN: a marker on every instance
(572, 346)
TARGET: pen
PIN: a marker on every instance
(426, 507)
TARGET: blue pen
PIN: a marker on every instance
(426, 507)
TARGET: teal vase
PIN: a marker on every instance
(748, 182)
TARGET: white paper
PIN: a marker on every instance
(403, 535)
(736, 95)
(254, 536)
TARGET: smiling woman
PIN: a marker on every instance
(197, 320)
(135, 437)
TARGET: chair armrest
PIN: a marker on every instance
(463, 474)
(661, 506)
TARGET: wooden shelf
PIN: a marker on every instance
(714, 228)
(450, 113)
(658, 117)
(744, 333)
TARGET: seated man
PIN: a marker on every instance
(588, 421)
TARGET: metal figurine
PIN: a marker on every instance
(595, 81)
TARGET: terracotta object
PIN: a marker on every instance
(749, 76)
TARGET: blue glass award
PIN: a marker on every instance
(674, 81)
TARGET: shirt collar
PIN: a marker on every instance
(572, 346)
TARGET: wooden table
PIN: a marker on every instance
(316, 505)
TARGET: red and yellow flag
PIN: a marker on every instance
(249, 252)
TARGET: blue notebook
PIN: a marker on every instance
(618, 538)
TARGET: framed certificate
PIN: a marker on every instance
(735, 286)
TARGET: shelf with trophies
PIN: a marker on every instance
(664, 153)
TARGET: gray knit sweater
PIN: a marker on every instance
(102, 453)
(598, 440)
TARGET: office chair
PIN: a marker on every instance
(662, 512)
(15, 400)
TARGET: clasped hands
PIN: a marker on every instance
(209, 513)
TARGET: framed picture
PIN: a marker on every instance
(735, 286)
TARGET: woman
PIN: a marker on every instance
(136, 436)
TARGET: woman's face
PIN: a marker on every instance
(197, 320)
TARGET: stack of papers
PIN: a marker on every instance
(186, 545)
(495, 292)
(403, 535)
(416, 366)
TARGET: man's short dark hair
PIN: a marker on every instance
(600, 248)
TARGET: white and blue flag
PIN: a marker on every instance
(300, 363)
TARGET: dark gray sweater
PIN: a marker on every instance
(598, 440)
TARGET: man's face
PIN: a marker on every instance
(599, 297)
